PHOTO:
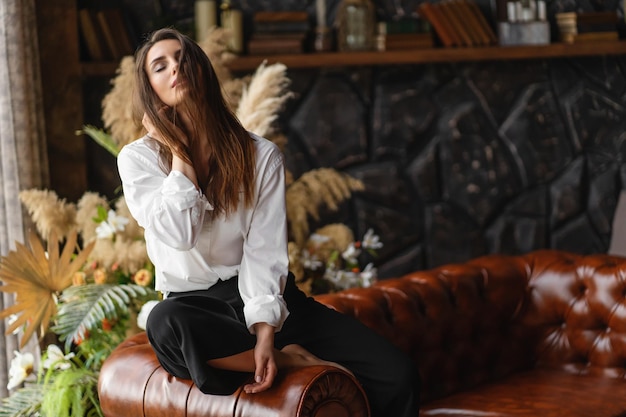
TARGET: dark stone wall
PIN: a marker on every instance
(465, 159)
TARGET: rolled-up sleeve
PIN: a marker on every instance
(265, 262)
(167, 205)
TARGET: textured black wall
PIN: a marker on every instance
(464, 159)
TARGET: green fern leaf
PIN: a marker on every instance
(84, 307)
(23, 402)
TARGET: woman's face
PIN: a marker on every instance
(162, 63)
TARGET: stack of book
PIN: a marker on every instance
(587, 26)
(458, 23)
(286, 32)
(105, 34)
(405, 33)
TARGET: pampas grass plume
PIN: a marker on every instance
(87, 210)
(323, 186)
(263, 98)
(49, 213)
(132, 229)
(117, 108)
(129, 255)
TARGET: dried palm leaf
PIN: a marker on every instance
(37, 278)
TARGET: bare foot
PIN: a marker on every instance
(308, 358)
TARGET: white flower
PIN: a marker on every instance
(369, 275)
(113, 223)
(22, 365)
(311, 261)
(117, 222)
(142, 317)
(56, 358)
(105, 231)
(346, 279)
(351, 254)
(316, 239)
(371, 241)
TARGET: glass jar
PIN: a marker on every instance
(356, 25)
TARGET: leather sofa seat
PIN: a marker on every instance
(541, 334)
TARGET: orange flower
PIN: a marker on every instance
(79, 278)
(100, 276)
(106, 325)
(143, 277)
(78, 339)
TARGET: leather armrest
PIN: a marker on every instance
(132, 383)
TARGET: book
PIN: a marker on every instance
(587, 18)
(597, 17)
(397, 41)
(487, 29)
(92, 35)
(440, 26)
(270, 45)
(407, 25)
(114, 31)
(280, 16)
(448, 24)
(286, 21)
(458, 23)
(587, 26)
(450, 10)
(474, 26)
(589, 37)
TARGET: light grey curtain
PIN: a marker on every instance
(23, 160)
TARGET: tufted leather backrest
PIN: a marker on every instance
(470, 323)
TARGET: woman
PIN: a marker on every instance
(211, 198)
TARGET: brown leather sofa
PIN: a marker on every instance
(542, 335)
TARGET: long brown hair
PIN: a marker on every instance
(231, 151)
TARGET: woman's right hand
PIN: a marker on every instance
(152, 132)
(178, 163)
(149, 126)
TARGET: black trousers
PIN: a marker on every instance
(188, 329)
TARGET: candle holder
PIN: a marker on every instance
(232, 22)
(356, 23)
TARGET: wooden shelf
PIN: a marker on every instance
(432, 55)
(417, 56)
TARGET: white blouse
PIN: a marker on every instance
(192, 252)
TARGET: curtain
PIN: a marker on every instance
(23, 157)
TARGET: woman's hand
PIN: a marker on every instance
(265, 363)
(148, 124)
(178, 163)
